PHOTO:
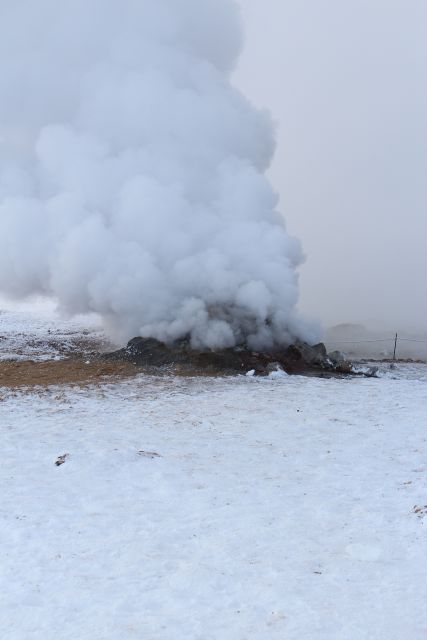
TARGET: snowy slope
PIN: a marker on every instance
(34, 330)
(277, 508)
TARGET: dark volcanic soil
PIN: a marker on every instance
(151, 356)
(299, 358)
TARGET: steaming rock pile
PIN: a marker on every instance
(298, 358)
(133, 174)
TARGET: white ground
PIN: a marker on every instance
(33, 330)
(278, 508)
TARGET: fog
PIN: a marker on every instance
(132, 173)
(135, 179)
(346, 83)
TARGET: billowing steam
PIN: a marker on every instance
(132, 172)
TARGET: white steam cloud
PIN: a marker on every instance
(132, 173)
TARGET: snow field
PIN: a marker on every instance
(32, 330)
(278, 508)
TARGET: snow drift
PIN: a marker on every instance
(132, 172)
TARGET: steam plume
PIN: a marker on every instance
(132, 173)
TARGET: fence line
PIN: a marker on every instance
(359, 341)
(394, 340)
(378, 340)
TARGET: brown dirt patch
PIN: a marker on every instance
(30, 373)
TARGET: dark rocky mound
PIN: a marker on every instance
(298, 358)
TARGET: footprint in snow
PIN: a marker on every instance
(149, 454)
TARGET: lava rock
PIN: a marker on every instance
(337, 357)
(298, 358)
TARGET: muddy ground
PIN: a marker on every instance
(71, 371)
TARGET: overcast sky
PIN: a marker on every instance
(346, 82)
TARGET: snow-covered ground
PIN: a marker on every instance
(34, 330)
(216, 509)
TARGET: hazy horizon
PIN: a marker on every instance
(346, 85)
(177, 208)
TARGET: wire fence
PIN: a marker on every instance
(393, 341)
(379, 340)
